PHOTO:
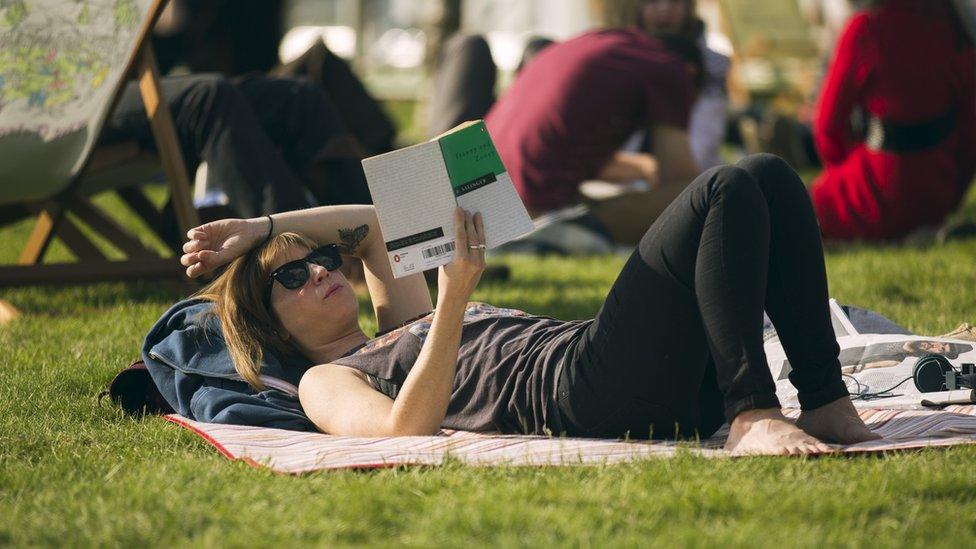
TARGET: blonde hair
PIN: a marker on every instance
(249, 326)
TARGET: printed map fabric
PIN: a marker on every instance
(60, 63)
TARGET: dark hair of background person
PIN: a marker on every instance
(533, 47)
(683, 42)
(227, 36)
(627, 13)
(689, 52)
(692, 28)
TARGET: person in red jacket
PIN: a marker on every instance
(907, 67)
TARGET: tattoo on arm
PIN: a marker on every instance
(350, 239)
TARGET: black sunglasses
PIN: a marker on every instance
(294, 274)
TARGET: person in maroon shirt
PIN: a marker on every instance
(909, 68)
(565, 118)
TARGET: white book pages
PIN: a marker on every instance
(415, 206)
(501, 209)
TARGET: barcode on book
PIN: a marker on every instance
(436, 251)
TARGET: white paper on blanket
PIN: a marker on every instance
(841, 324)
(875, 363)
(416, 189)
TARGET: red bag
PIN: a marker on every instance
(134, 390)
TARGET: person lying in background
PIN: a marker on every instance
(908, 67)
(676, 350)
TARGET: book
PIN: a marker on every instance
(416, 189)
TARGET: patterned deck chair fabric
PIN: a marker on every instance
(62, 65)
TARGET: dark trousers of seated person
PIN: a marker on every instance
(677, 347)
(361, 113)
(265, 140)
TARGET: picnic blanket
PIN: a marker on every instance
(302, 452)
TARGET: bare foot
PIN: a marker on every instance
(769, 432)
(836, 421)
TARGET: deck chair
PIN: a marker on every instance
(776, 62)
(63, 64)
(768, 30)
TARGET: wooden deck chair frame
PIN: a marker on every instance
(52, 218)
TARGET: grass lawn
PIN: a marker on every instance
(79, 474)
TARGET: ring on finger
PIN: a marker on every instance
(477, 246)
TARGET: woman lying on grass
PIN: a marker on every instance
(676, 349)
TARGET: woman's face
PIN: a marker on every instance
(318, 312)
(664, 16)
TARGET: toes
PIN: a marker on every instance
(811, 448)
(822, 448)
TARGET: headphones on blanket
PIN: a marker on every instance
(935, 373)
(932, 373)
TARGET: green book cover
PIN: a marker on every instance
(470, 157)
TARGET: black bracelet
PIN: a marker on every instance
(270, 229)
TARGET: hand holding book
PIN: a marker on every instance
(417, 189)
(458, 279)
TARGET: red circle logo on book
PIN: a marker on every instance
(396, 258)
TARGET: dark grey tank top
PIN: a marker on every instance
(508, 364)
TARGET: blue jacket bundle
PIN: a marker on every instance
(188, 360)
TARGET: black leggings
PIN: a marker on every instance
(677, 348)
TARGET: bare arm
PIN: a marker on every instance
(340, 401)
(354, 229)
(672, 149)
(673, 162)
(628, 166)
